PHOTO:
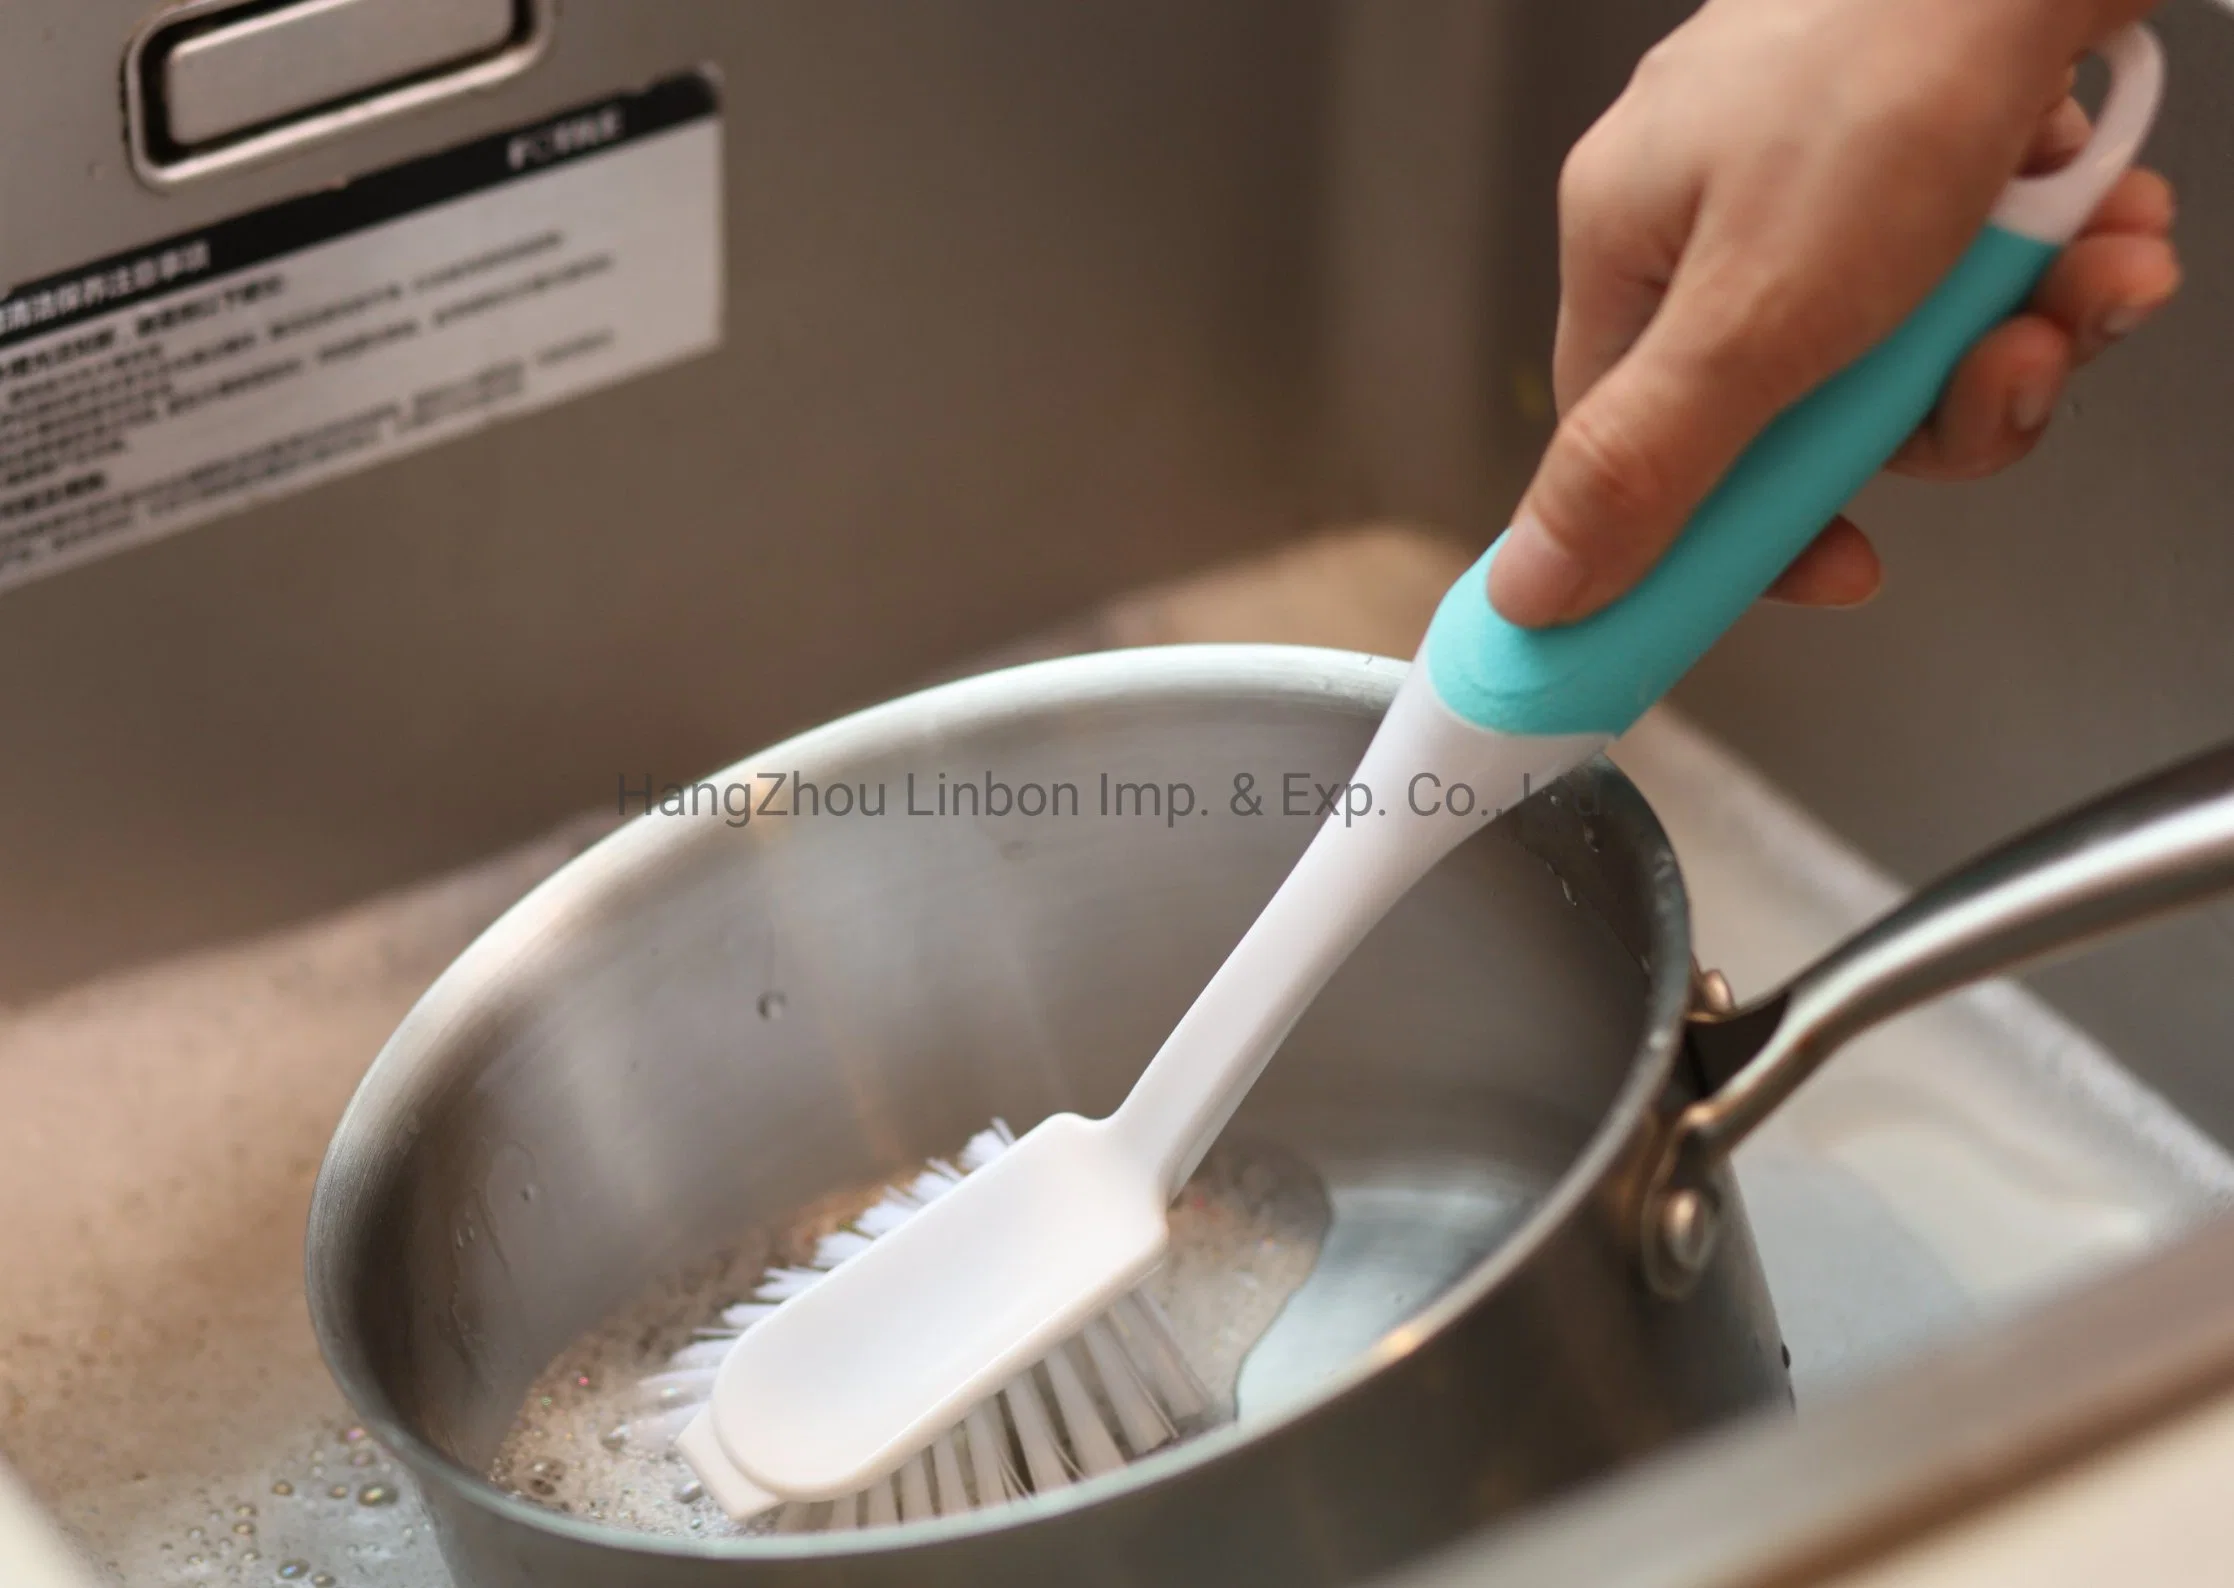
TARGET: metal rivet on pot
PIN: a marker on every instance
(1689, 1230)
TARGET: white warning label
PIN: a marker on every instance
(154, 390)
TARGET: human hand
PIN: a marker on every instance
(1780, 185)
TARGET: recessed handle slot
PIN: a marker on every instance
(215, 84)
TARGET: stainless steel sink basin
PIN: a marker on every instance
(1026, 306)
(158, 1383)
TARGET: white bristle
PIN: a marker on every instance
(781, 1284)
(995, 1479)
(946, 1467)
(837, 1248)
(1143, 1424)
(915, 1490)
(987, 1145)
(1027, 1414)
(937, 1178)
(706, 1353)
(1123, 1386)
(880, 1509)
(1150, 1342)
(677, 1385)
(884, 1218)
(1096, 1452)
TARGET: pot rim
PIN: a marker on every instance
(410, 1068)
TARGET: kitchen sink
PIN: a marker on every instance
(159, 1386)
(1022, 308)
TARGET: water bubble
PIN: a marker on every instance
(251, 1555)
(245, 1529)
(545, 1467)
(615, 1438)
(324, 1579)
(339, 1491)
(244, 1510)
(360, 1458)
(691, 1493)
(283, 1487)
(352, 1434)
(771, 1006)
(289, 1570)
(196, 1534)
(193, 1560)
(376, 1494)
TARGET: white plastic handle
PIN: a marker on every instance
(33, 1553)
(2055, 207)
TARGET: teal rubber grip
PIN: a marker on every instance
(1600, 674)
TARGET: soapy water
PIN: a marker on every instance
(1245, 1234)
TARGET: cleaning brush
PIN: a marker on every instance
(1118, 1391)
(853, 1378)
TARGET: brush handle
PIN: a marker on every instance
(1550, 699)
(33, 1552)
(1427, 782)
(1600, 674)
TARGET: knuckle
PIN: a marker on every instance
(1759, 335)
(1585, 175)
(1662, 60)
(1936, 127)
(1611, 474)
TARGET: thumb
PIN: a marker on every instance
(1637, 454)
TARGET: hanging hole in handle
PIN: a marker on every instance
(2092, 87)
(2055, 206)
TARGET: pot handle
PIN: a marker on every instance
(2151, 847)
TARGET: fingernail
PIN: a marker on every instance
(2125, 319)
(1535, 580)
(2034, 402)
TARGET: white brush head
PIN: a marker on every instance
(847, 1380)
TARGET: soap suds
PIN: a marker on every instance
(1244, 1236)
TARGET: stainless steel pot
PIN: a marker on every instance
(1539, 1267)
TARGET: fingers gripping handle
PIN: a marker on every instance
(1600, 674)
(2054, 208)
